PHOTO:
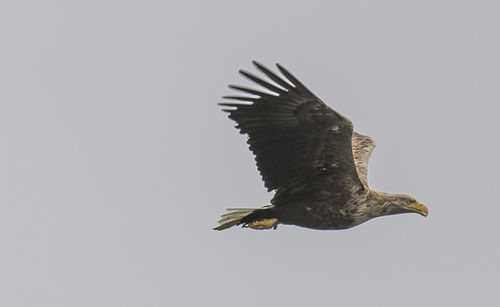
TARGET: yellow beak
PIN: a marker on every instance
(419, 208)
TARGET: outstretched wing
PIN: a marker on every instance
(362, 147)
(295, 137)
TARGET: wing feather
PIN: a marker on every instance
(362, 147)
(296, 138)
(261, 82)
(272, 75)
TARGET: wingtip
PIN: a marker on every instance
(228, 105)
(261, 66)
(257, 63)
(234, 87)
(247, 74)
(243, 72)
(281, 67)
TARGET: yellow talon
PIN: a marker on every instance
(263, 224)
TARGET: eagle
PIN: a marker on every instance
(309, 155)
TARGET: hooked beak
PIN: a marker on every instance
(419, 208)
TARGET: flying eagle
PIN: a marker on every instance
(310, 156)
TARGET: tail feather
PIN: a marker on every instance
(233, 217)
(245, 216)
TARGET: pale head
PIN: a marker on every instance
(402, 203)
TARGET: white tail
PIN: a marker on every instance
(233, 217)
(261, 218)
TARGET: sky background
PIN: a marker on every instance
(116, 162)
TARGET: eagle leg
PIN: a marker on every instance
(263, 224)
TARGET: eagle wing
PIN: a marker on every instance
(362, 147)
(301, 145)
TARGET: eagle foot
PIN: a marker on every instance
(263, 224)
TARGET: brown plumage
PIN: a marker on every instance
(310, 156)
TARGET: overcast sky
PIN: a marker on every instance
(116, 162)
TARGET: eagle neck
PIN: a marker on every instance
(376, 204)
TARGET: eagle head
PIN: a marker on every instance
(402, 203)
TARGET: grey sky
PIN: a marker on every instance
(116, 161)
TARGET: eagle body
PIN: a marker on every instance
(310, 156)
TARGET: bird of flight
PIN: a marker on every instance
(310, 156)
